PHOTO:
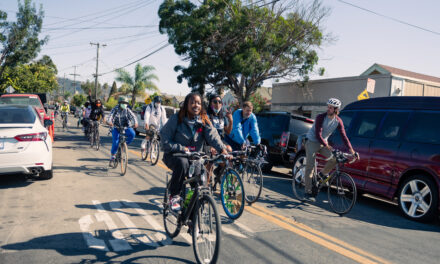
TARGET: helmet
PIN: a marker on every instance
(157, 99)
(213, 96)
(334, 102)
(122, 99)
(65, 101)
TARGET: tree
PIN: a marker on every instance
(141, 81)
(89, 88)
(19, 40)
(36, 77)
(113, 90)
(79, 99)
(238, 46)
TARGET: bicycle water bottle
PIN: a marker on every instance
(188, 197)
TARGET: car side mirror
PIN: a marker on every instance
(48, 123)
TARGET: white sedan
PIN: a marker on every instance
(25, 144)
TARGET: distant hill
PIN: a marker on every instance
(68, 85)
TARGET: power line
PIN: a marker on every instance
(390, 18)
(144, 57)
(114, 27)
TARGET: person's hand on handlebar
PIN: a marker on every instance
(185, 149)
(225, 152)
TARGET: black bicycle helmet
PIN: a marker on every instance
(157, 99)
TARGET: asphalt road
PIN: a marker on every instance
(86, 214)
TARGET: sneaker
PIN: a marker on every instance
(309, 197)
(175, 203)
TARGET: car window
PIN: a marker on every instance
(347, 117)
(368, 123)
(273, 123)
(299, 127)
(392, 125)
(16, 116)
(34, 102)
(424, 127)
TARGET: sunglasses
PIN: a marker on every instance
(217, 101)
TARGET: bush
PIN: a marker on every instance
(111, 103)
(79, 99)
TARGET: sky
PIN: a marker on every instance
(129, 29)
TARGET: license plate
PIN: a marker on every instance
(2, 144)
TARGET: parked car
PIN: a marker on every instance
(279, 131)
(140, 116)
(398, 139)
(25, 99)
(25, 144)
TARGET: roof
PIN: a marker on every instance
(398, 102)
(14, 106)
(381, 69)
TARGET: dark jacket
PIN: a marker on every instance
(96, 113)
(175, 137)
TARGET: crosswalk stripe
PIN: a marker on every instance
(91, 241)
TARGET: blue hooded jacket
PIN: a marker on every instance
(241, 128)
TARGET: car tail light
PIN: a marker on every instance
(32, 137)
(284, 139)
(310, 120)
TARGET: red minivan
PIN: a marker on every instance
(398, 139)
(25, 99)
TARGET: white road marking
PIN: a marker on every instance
(136, 233)
(231, 231)
(242, 226)
(91, 241)
(165, 240)
(98, 206)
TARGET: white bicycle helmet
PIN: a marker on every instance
(334, 102)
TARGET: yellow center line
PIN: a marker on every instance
(318, 237)
(317, 233)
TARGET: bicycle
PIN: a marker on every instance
(232, 191)
(341, 189)
(250, 169)
(94, 135)
(198, 211)
(152, 148)
(64, 119)
(122, 153)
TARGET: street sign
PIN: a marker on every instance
(363, 95)
(370, 85)
(10, 89)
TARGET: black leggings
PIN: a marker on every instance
(180, 167)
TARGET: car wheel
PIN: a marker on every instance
(46, 175)
(418, 198)
(300, 160)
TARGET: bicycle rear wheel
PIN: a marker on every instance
(96, 139)
(124, 158)
(232, 194)
(170, 219)
(253, 182)
(154, 152)
(144, 152)
(206, 231)
(341, 193)
(298, 183)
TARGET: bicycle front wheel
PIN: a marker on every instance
(232, 194)
(253, 182)
(154, 152)
(298, 183)
(342, 193)
(97, 139)
(170, 219)
(206, 231)
(124, 158)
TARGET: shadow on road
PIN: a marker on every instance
(14, 181)
(366, 209)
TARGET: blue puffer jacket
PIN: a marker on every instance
(242, 128)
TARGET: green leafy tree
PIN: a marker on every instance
(240, 45)
(89, 88)
(142, 80)
(113, 90)
(79, 99)
(124, 89)
(67, 95)
(19, 41)
(112, 102)
(36, 77)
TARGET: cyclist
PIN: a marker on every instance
(317, 142)
(186, 131)
(65, 109)
(244, 123)
(57, 109)
(155, 117)
(121, 116)
(86, 115)
(96, 112)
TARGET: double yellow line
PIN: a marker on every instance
(307, 232)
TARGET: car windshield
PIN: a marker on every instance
(14, 115)
(274, 123)
(21, 100)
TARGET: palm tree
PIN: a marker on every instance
(141, 81)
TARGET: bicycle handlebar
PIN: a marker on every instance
(342, 157)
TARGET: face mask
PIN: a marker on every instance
(216, 111)
(156, 105)
(89, 107)
(123, 106)
(98, 105)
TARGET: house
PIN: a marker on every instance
(310, 99)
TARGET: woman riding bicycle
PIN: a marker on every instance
(325, 124)
(121, 117)
(186, 131)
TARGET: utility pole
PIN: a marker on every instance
(97, 62)
(64, 81)
(74, 78)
